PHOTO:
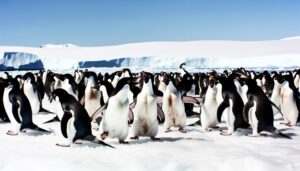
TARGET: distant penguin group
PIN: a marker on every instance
(94, 106)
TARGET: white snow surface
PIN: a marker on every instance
(191, 151)
(199, 54)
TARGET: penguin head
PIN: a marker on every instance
(123, 84)
(60, 93)
(29, 77)
(13, 83)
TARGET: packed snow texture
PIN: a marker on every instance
(160, 55)
(193, 150)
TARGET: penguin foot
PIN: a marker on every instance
(62, 145)
(104, 135)
(208, 129)
(182, 130)
(225, 133)
(289, 125)
(123, 142)
(215, 127)
(12, 133)
(134, 138)
(155, 139)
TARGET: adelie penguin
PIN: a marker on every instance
(290, 101)
(30, 89)
(258, 111)
(92, 94)
(75, 123)
(114, 123)
(3, 114)
(233, 101)
(208, 113)
(173, 106)
(18, 109)
(146, 110)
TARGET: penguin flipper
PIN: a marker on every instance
(273, 104)
(190, 99)
(98, 113)
(44, 110)
(246, 109)
(221, 108)
(160, 114)
(132, 105)
(15, 108)
(64, 123)
(130, 116)
(82, 100)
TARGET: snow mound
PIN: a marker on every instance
(58, 46)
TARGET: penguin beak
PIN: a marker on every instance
(51, 98)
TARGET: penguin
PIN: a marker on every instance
(75, 124)
(57, 81)
(92, 94)
(49, 83)
(275, 97)
(146, 110)
(233, 101)
(30, 90)
(258, 111)
(173, 106)
(3, 114)
(69, 84)
(114, 121)
(208, 116)
(78, 75)
(106, 88)
(290, 102)
(17, 107)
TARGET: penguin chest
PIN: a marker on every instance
(9, 107)
(173, 108)
(209, 113)
(92, 101)
(145, 121)
(115, 118)
(252, 118)
(68, 88)
(288, 106)
(32, 97)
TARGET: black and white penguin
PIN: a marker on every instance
(173, 106)
(31, 91)
(114, 122)
(69, 84)
(290, 100)
(18, 109)
(146, 110)
(208, 116)
(275, 97)
(258, 111)
(3, 114)
(92, 94)
(75, 123)
(233, 101)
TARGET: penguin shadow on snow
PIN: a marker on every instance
(163, 140)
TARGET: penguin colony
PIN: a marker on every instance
(110, 104)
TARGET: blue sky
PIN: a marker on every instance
(109, 22)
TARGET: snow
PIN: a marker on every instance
(199, 54)
(176, 151)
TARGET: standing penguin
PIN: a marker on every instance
(69, 84)
(3, 114)
(115, 118)
(31, 91)
(275, 97)
(18, 109)
(75, 123)
(92, 94)
(233, 101)
(208, 116)
(146, 110)
(290, 101)
(173, 106)
(258, 110)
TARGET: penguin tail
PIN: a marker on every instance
(95, 140)
(280, 134)
(36, 128)
(53, 120)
